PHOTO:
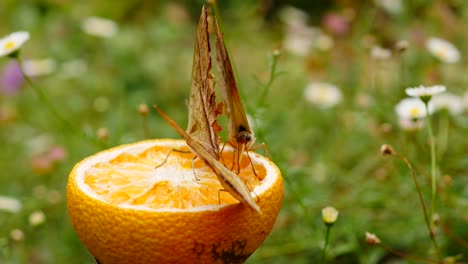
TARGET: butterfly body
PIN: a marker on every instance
(243, 137)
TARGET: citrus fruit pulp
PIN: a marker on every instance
(125, 210)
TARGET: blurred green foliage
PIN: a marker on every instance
(328, 156)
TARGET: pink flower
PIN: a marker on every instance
(12, 79)
(41, 165)
(57, 153)
(335, 24)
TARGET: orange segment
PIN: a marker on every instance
(125, 210)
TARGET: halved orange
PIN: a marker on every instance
(125, 210)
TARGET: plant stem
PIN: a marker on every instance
(423, 205)
(327, 236)
(273, 75)
(52, 110)
(433, 160)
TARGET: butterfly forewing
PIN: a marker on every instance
(202, 125)
(238, 123)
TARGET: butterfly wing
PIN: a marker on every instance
(234, 109)
(202, 125)
(230, 181)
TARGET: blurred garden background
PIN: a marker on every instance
(339, 94)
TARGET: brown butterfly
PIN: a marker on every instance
(241, 136)
(202, 132)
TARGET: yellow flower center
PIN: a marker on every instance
(9, 45)
(442, 53)
(322, 94)
(414, 112)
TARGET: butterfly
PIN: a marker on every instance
(241, 136)
(202, 130)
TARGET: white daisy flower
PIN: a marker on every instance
(299, 40)
(293, 16)
(324, 42)
(379, 53)
(465, 100)
(411, 108)
(99, 27)
(323, 94)
(12, 42)
(443, 50)
(10, 204)
(329, 215)
(402, 45)
(16, 234)
(36, 218)
(39, 67)
(409, 124)
(453, 103)
(391, 6)
(423, 91)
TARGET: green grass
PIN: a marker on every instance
(328, 156)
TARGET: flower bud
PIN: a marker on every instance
(372, 239)
(102, 133)
(329, 215)
(143, 109)
(386, 150)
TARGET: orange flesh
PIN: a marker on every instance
(133, 179)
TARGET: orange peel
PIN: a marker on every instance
(126, 211)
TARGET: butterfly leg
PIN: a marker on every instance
(219, 194)
(193, 169)
(251, 164)
(169, 153)
(251, 190)
(264, 146)
(233, 159)
(239, 158)
(221, 154)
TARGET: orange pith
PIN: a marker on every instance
(127, 211)
(133, 179)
